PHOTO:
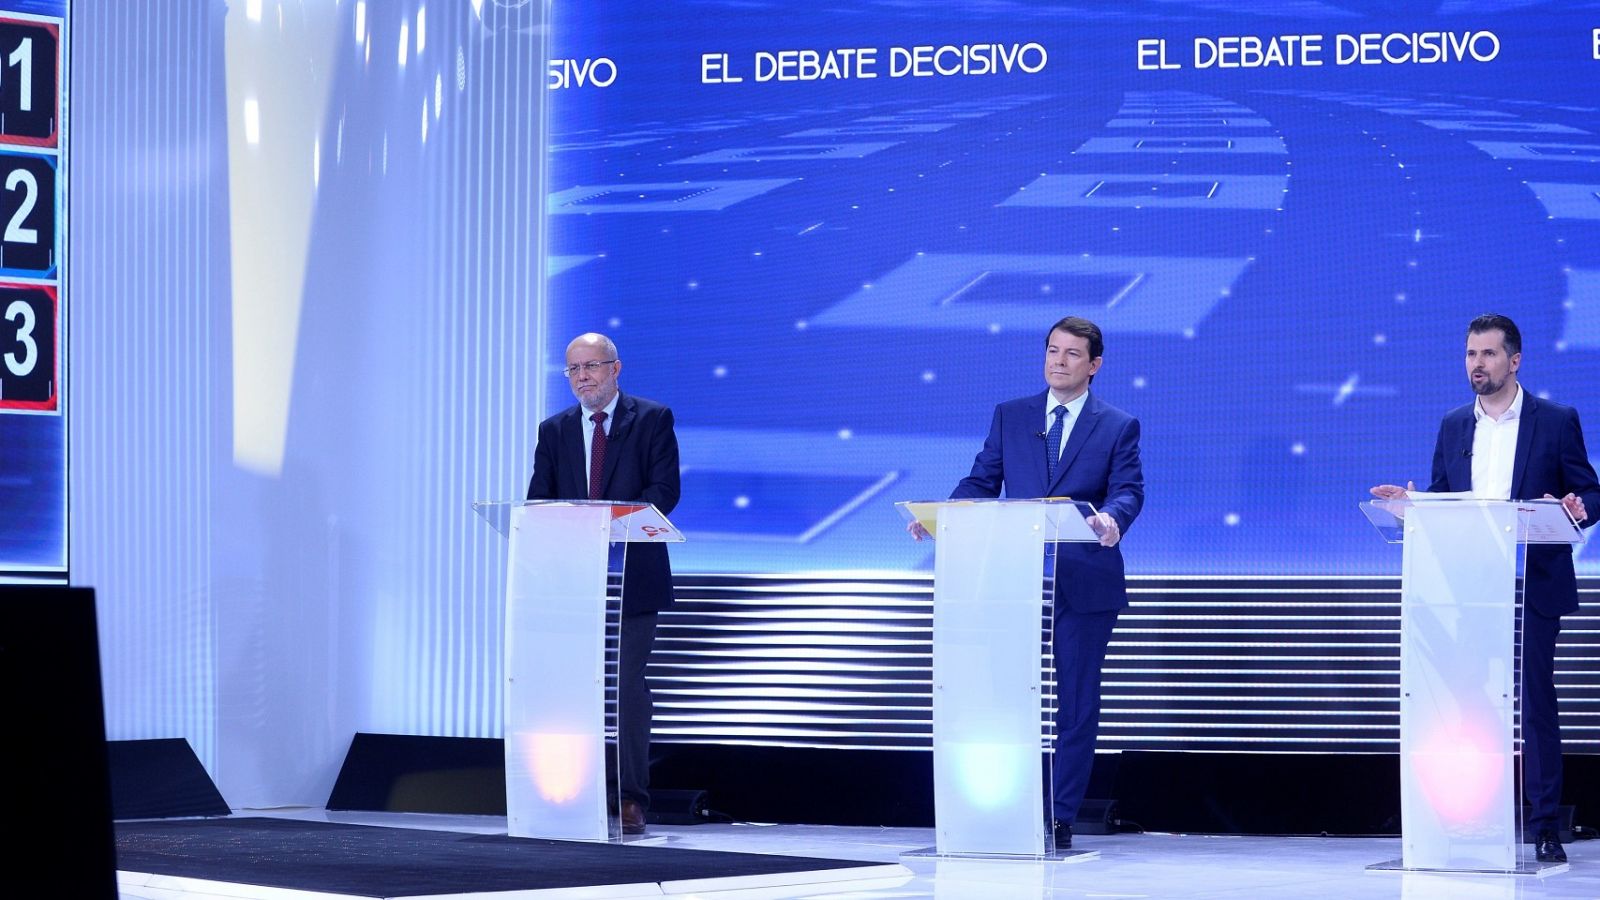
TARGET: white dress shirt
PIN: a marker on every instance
(1494, 450)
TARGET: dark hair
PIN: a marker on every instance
(1087, 330)
(1494, 322)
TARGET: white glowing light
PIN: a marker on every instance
(361, 21)
(252, 121)
(422, 29)
(989, 775)
(405, 42)
(438, 94)
(271, 206)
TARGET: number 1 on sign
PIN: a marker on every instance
(22, 58)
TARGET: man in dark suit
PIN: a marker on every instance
(1066, 442)
(613, 446)
(1510, 445)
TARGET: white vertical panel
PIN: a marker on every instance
(143, 363)
(987, 593)
(556, 672)
(1458, 796)
(267, 612)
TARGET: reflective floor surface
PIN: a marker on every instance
(1176, 866)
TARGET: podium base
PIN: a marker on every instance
(1054, 856)
(1528, 868)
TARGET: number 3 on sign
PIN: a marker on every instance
(21, 313)
(27, 348)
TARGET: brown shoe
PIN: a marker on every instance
(632, 817)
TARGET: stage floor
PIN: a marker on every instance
(1126, 866)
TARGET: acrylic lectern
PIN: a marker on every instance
(1460, 599)
(992, 598)
(564, 591)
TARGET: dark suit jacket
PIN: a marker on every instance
(1550, 459)
(1099, 464)
(641, 465)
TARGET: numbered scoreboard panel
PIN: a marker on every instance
(35, 54)
(32, 190)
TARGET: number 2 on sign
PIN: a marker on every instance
(15, 232)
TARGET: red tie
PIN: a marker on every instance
(597, 454)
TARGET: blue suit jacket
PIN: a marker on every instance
(1099, 464)
(1550, 459)
(641, 464)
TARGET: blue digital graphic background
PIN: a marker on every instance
(833, 283)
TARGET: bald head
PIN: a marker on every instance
(597, 341)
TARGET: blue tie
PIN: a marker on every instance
(1052, 446)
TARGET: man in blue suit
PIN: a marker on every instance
(1065, 442)
(1509, 445)
(614, 446)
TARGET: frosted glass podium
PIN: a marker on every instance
(563, 599)
(991, 635)
(1460, 598)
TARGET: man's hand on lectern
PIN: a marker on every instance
(1106, 527)
(1574, 506)
(915, 529)
(1393, 491)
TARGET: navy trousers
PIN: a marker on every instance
(1541, 729)
(1080, 641)
(635, 708)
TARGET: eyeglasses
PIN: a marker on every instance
(591, 367)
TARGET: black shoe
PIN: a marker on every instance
(632, 817)
(1062, 832)
(1547, 848)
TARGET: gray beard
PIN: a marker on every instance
(600, 402)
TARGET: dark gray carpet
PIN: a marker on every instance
(368, 861)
